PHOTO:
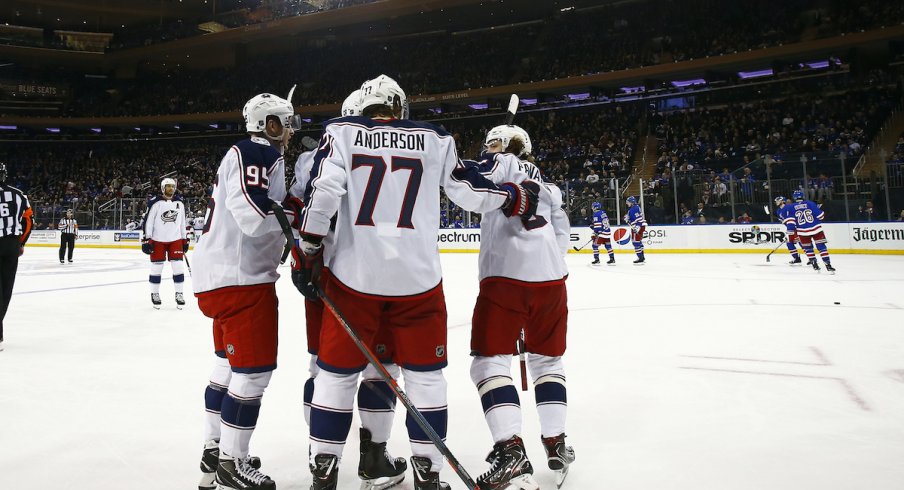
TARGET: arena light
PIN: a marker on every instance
(306, 119)
(744, 75)
(213, 126)
(435, 110)
(528, 101)
(96, 130)
(688, 83)
(478, 107)
(53, 130)
(818, 64)
(634, 90)
(9, 128)
(583, 96)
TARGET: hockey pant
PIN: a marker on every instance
(376, 401)
(596, 247)
(499, 397)
(233, 403)
(178, 275)
(333, 400)
(819, 240)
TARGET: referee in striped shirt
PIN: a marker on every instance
(69, 228)
(15, 226)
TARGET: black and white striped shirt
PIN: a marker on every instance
(68, 225)
(13, 205)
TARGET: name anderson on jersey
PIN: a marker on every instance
(386, 139)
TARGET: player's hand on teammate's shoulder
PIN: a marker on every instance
(522, 200)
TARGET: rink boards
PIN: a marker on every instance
(852, 238)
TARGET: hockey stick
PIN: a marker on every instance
(187, 265)
(286, 229)
(520, 346)
(576, 249)
(774, 249)
(394, 386)
(512, 109)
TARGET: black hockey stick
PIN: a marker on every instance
(512, 109)
(394, 386)
(286, 229)
(576, 249)
(774, 249)
(187, 265)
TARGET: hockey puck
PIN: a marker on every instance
(837, 302)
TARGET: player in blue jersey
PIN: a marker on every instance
(634, 218)
(808, 220)
(602, 234)
(782, 210)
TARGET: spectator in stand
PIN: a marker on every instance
(701, 220)
(747, 183)
(744, 218)
(868, 212)
(720, 190)
(825, 187)
(688, 218)
(700, 209)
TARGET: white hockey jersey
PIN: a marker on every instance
(530, 251)
(242, 242)
(164, 221)
(383, 179)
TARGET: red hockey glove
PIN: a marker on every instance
(307, 261)
(522, 201)
(293, 207)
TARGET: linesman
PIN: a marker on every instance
(16, 222)
(68, 230)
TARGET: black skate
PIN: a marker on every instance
(238, 474)
(424, 479)
(558, 456)
(376, 468)
(796, 261)
(210, 459)
(829, 268)
(325, 471)
(509, 467)
(815, 264)
(639, 261)
(155, 300)
(180, 300)
(611, 261)
(596, 261)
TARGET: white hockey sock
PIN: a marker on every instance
(213, 397)
(376, 402)
(331, 412)
(427, 391)
(178, 274)
(154, 278)
(241, 407)
(308, 394)
(498, 395)
(549, 390)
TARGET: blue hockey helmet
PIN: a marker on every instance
(631, 200)
(798, 195)
(779, 200)
(596, 206)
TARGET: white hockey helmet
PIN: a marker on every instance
(506, 133)
(260, 106)
(352, 104)
(165, 182)
(383, 91)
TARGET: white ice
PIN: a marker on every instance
(691, 372)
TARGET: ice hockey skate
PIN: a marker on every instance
(596, 261)
(239, 474)
(376, 468)
(558, 456)
(829, 268)
(640, 260)
(210, 459)
(815, 264)
(155, 300)
(180, 301)
(509, 468)
(796, 261)
(325, 472)
(424, 479)
(611, 261)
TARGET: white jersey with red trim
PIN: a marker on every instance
(532, 250)
(164, 221)
(381, 179)
(242, 240)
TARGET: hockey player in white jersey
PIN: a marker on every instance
(235, 282)
(165, 239)
(376, 402)
(522, 306)
(380, 175)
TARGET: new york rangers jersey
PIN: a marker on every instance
(242, 242)
(635, 217)
(381, 179)
(786, 216)
(807, 217)
(164, 221)
(601, 224)
(530, 250)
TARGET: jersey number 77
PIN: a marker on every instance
(375, 181)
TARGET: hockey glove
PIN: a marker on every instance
(147, 246)
(185, 243)
(521, 202)
(293, 207)
(307, 262)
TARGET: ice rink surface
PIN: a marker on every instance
(691, 372)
